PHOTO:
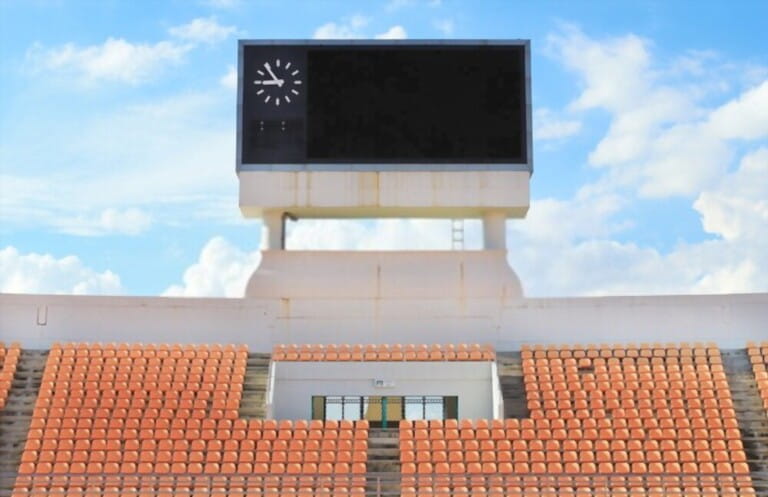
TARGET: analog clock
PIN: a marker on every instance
(279, 83)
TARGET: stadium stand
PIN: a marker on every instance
(383, 352)
(632, 421)
(134, 418)
(758, 356)
(658, 418)
(9, 358)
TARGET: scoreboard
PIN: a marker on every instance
(384, 105)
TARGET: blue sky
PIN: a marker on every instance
(117, 124)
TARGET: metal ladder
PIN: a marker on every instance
(457, 234)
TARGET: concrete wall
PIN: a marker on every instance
(730, 320)
(296, 382)
(345, 194)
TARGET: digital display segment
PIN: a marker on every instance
(364, 105)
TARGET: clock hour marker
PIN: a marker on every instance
(297, 82)
(295, 92)
(267, 99)
(260, 71)
(277, 101)
(259, 92)
(288, 99)
(257, 82)
(288, 65)
(277, 62)
(294, 73)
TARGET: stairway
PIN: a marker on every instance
(510, 367)
(17, 414)
(254, 401)
(383, 457)
(752, 417)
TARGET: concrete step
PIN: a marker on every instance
(750, 413)
(17, 414)
(510, 369)
(383, 457)
(253, 404)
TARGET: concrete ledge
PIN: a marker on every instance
(350, 194)
(729, 320)
(459, 275)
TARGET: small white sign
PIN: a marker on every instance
(383, 383)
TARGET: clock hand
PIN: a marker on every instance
(278, 82)
(274, 78)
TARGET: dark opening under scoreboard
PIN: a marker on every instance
(384, 105)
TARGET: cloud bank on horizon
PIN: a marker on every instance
(651, 161)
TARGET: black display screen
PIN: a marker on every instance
(384, 104)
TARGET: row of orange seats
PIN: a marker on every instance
(567, 456)
(627, 368)
(619, 351)
(664, 446)
(88, 420)
(118, 368)
(9, 359)
(265, 445)
(574, 468)
(615, 415)
(138, 350)
(383, 352)
(285, 485)
(758, 356)
(629, 408)
(544, 489)
(619, 429)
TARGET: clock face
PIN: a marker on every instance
(280, 81)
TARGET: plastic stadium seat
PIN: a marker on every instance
(383, 352)
(9, 359)
(136, 413)
(644, 419)
(758, 356)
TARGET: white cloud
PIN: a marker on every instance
(172, 157)
(547, 125)
(222, 270)
(586, 216)
(229, 80)
(202, 30)
(43, 273)
(662, 141)
(121, 61)
(745, 117)
(737, 207)
(393, 33)
(348, 28)
(614, 72)
(601, 265)
(115, 60)
(444, 26)
(381, 234)
(111, 221)
(353, 27)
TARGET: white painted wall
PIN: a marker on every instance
(497, 396)
(729, 320)
(345, 194)
(325, 275)
(296, 383)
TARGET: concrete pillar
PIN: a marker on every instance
(494, 230)
(272, 231)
